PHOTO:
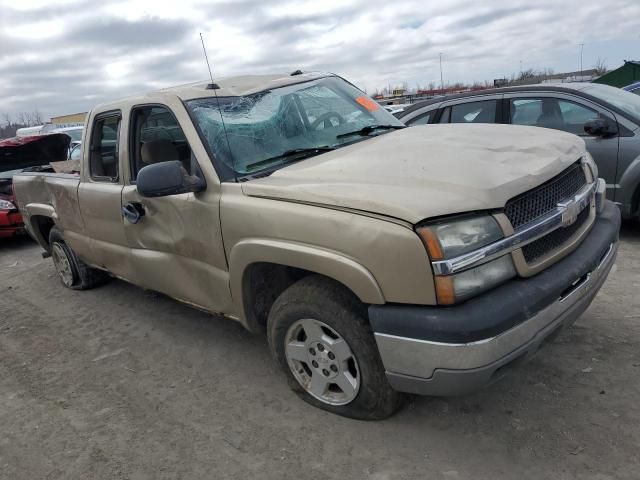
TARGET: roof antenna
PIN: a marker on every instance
(214, 86)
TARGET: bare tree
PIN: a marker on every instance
(527, 74)
(601, 66)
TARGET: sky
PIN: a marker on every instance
(64, 56)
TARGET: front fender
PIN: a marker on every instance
(308, 257)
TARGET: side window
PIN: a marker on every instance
(446, 115)
(103, 161)
(421, 120)
(474, 112)
(525, 111)
(157, 137)
(575, 116)
(551, 113)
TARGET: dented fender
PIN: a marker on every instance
(308, 257)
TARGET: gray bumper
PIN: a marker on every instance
(428, 367)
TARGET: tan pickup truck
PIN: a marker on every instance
(378, 259)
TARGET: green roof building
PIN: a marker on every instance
(623, 76)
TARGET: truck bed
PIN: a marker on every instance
(38, 193)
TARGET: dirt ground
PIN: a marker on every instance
(118, 382)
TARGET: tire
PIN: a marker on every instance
(73, 272)
(313, 303)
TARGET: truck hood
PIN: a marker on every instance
(427, 171)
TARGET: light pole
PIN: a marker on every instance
(581, 48)
(441, 77)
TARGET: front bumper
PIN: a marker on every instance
(456, 350)
(11, 224)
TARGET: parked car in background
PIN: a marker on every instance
(396, 109)
(74, 132)
(75, 152)
(606, 118)
(377, 259)
(633, 88)
(19, 155)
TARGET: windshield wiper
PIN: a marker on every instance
(369, 129)
(295, 152)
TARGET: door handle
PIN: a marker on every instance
(133, 212)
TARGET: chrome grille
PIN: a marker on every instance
(555, 239)
(537, 202)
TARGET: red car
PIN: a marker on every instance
(10, 219)
(20, 154)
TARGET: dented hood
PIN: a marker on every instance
(427, 171)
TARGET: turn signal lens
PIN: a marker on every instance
(444, 291)
(431, 242)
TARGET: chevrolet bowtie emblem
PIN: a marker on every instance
(570, 211)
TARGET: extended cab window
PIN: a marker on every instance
(551, 113)
(103, 161)
(157, 137)
(471, 112)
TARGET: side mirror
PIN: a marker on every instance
(598, 127)
(167, 178)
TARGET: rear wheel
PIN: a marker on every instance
(319, 334)
(72, 271)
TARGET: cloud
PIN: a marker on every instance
(66, 57)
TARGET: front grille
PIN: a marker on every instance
(555, 239)
(537, 202)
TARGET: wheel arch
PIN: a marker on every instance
(629, 189)
(261, 269)
(40, 223)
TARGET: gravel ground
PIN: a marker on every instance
(118, 382)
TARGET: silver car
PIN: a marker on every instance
(607, 118)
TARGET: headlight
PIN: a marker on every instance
(464, 285)
(453, 238)
(449, 239)
(6, 205)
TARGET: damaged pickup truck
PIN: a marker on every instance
(377, 259)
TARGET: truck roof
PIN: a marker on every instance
(226, 87)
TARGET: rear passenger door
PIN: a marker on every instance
(569, 113)
(99, 196)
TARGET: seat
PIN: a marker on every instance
(157, 151)
(551, 117)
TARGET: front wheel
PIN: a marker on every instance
(319, 334)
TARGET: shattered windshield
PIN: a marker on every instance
(273, 128)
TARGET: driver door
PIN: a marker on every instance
(176, 241)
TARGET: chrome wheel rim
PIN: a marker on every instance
(322, 362)
(62, 264)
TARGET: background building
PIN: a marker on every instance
(623, 76)
(71, 120)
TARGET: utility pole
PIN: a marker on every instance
(581, 48)
(441, 77)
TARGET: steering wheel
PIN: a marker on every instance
(325, 120)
